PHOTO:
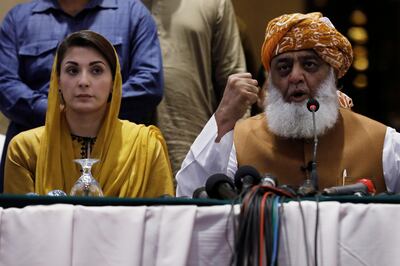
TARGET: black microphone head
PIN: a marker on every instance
(200, 193)
(312, 105)
(246, 170)
(213, 183)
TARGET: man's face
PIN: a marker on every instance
(298, 74)
(291, 119)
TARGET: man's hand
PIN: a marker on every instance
(240, 93)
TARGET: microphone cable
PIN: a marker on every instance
(303, 219)
(237, 256)
(276, 229)
(248, 220)
(259, 227)
(231, 217)
(316, 232)
(264, 226)
(315, 242)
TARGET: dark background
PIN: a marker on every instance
(380, 99)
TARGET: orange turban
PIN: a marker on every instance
(297, 31)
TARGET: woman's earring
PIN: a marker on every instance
(61, 97)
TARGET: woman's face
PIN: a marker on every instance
(85, 80)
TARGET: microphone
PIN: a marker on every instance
(270, 183)
(269, 180)
(361, 188)
(219, 186)
(200, 193)
(246, 176)
(289, 190)
(307, 189)
(313, 106)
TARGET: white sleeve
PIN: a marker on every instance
(391, 160)
(205, 158)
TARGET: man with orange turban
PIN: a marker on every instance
(304, 56)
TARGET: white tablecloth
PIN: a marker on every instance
(348, 234)
(60, 234)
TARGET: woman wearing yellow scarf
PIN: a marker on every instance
(82, 121)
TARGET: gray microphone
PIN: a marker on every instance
(362, 187)
(269, 180)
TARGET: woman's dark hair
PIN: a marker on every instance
(86, 38)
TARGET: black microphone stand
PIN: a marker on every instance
(313, 174)
(310, 186)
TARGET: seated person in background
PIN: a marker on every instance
(304, 56)
(82, 122)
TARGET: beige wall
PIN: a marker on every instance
(6, 5)
(257, 13)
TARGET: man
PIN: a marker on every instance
(29, 36)
(201, 47)
(304, 56)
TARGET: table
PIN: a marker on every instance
(191, 233)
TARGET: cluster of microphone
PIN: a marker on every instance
(220, 186)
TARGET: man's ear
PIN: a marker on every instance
(337, 82)
(344, 100)
(262, 94)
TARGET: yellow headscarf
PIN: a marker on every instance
(133, 158)
(292, 32)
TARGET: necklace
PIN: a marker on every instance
(86, 144)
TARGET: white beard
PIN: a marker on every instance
(294, 120)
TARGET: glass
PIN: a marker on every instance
(57, 193)
(86, 185)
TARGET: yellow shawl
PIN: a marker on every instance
(133, 158)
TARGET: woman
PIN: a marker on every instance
(82, 122)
